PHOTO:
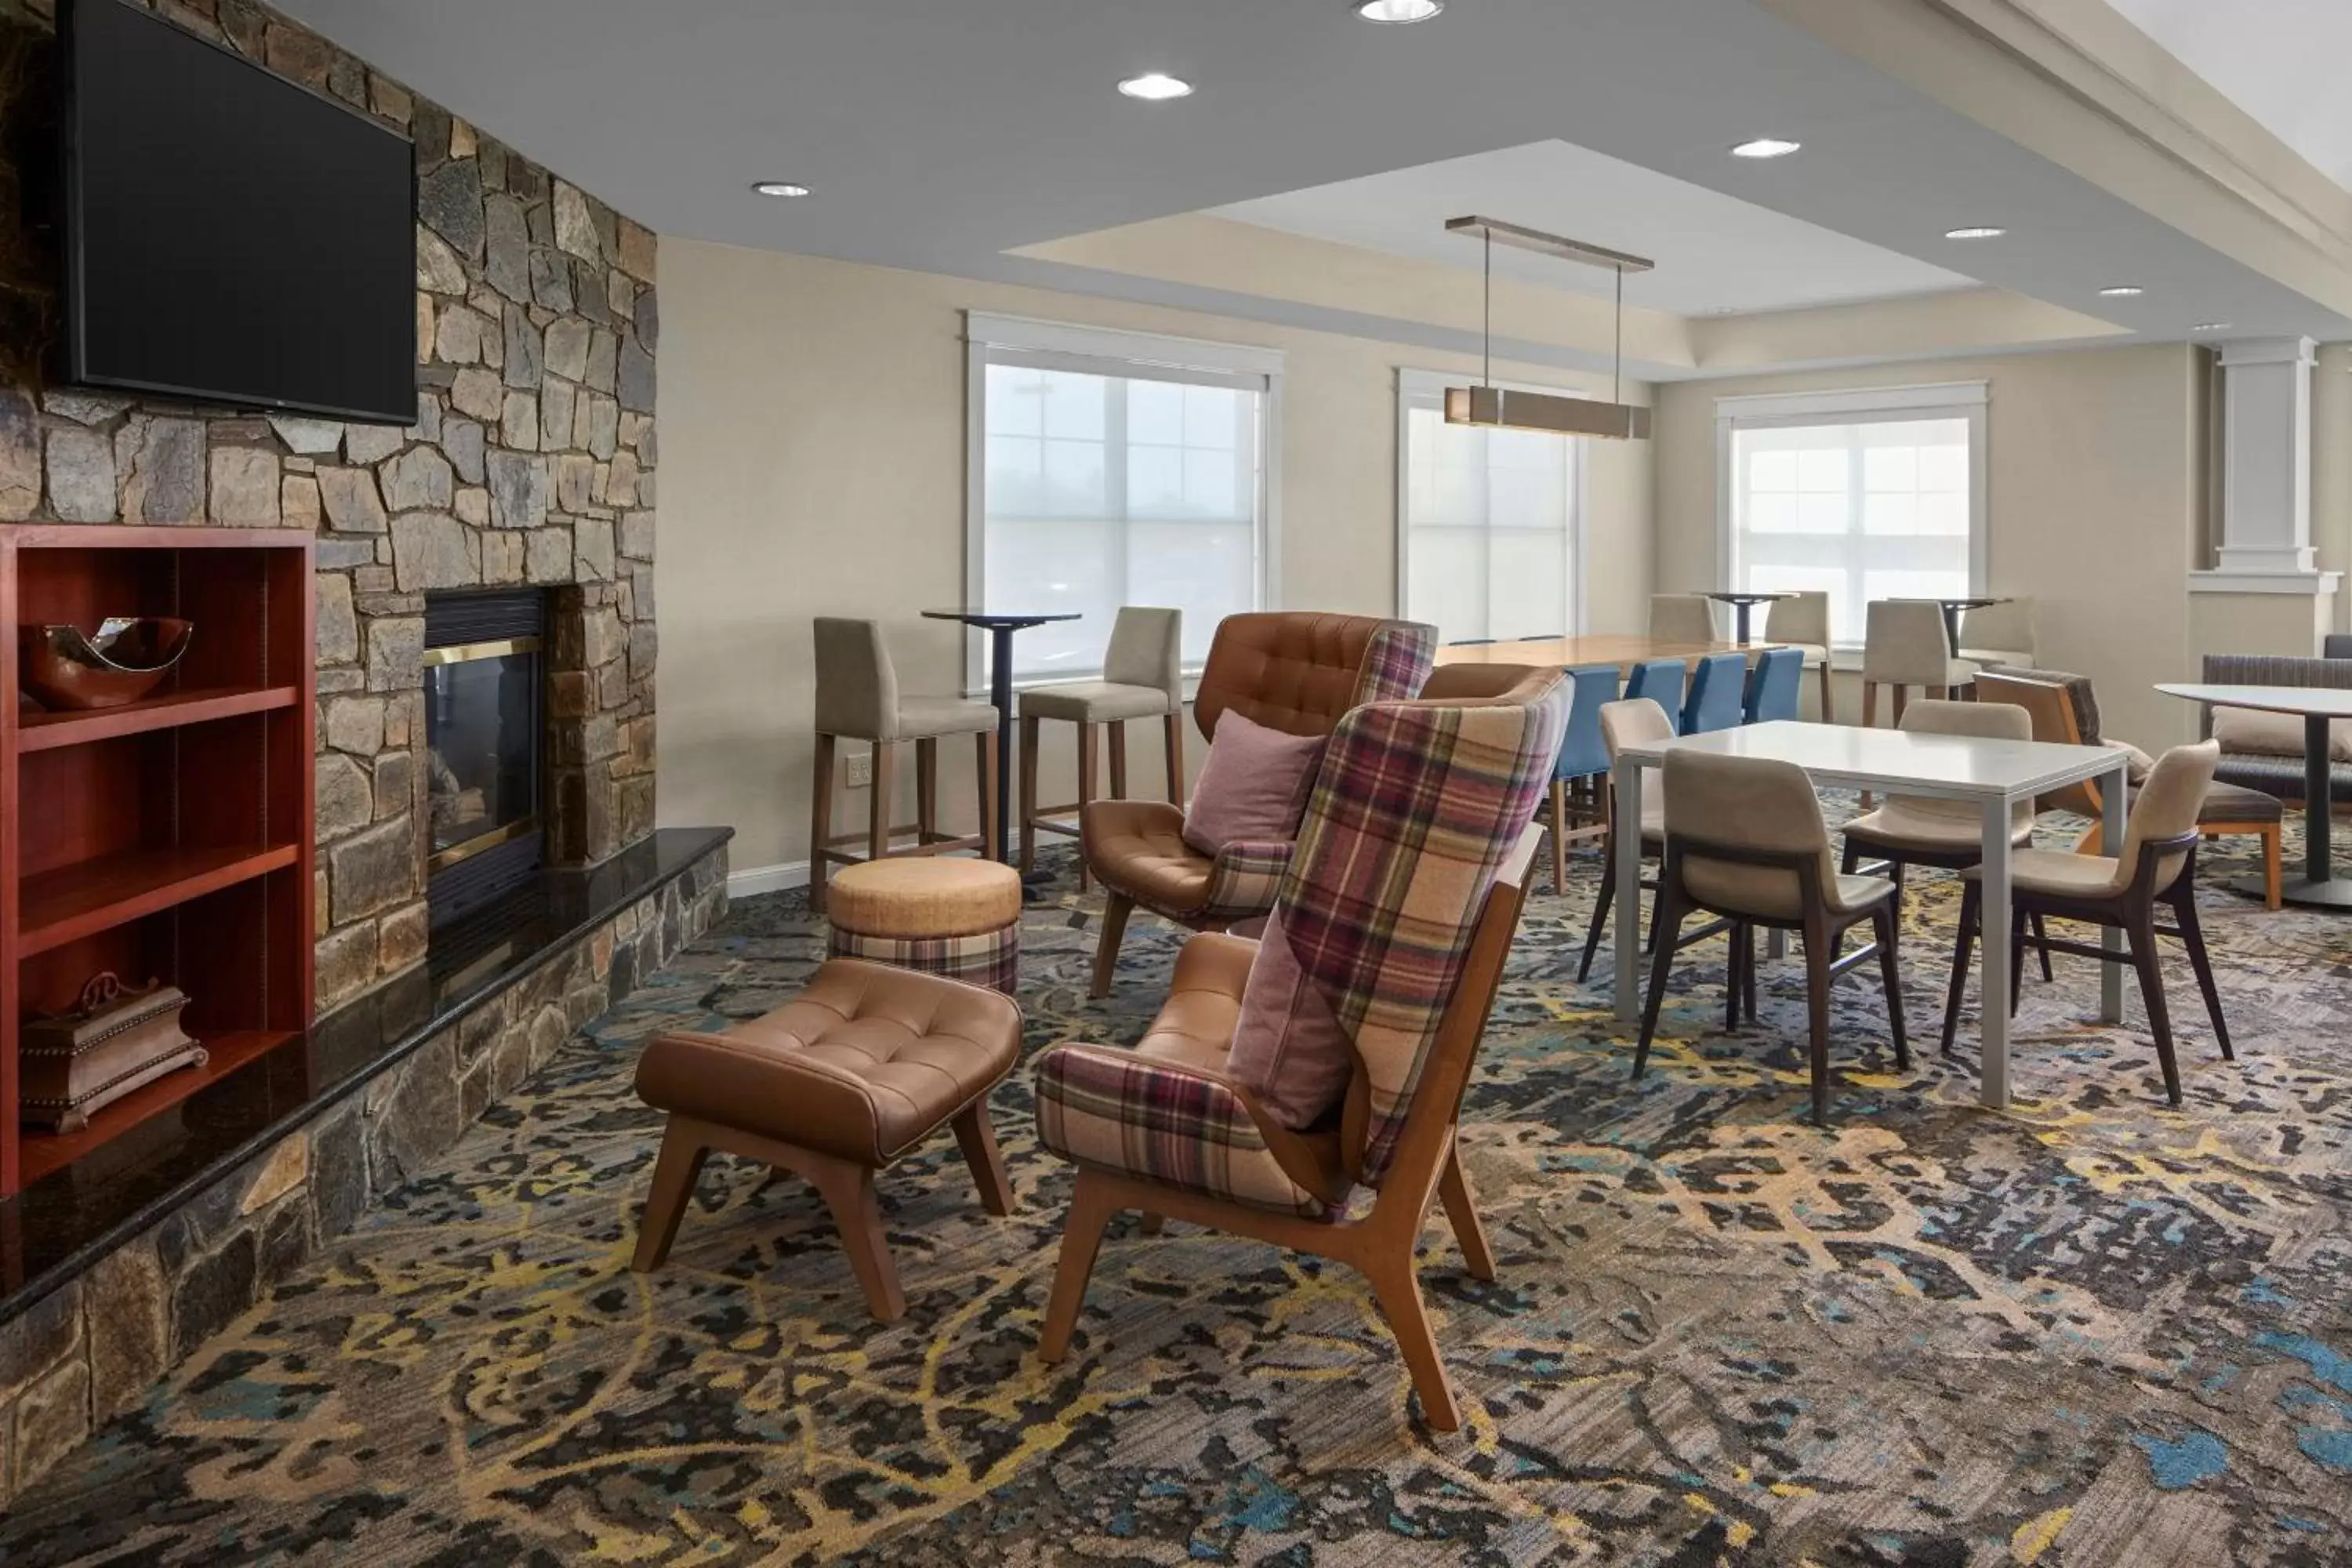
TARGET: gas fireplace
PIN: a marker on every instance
(484, 729)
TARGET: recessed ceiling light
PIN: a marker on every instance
(1156, 86)
(2211, 327)
(1766, 147)
(1975, 231)
(779, 189)
(2121, 291)
(1398, 10)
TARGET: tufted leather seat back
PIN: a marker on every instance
(1292, 670)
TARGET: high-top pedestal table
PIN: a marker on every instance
(2318, 886)
(1742, 604)
(1995, 774)
(1000, 626)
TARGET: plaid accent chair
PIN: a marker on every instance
(1396, 910)
(1291, 671)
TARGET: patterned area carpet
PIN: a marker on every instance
(2091, 1330)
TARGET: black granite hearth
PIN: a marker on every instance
(62, 1225)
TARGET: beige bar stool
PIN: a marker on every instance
(1905, 644)
(1998, 633)
(1682, 618)
(1802, 621)
(1142, 678)
(857, 698)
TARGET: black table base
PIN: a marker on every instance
(1000, 627)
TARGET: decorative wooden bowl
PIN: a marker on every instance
(127, 658)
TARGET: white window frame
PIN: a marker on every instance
(1108, 351)
(1968, 400)
(1425, 389)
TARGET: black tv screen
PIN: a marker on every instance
(231, 237)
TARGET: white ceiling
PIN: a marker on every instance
(2282, 61)
(1715, 253)
(942, 135)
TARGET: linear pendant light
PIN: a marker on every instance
(1551, 413)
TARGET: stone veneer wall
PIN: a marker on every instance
(530, 462)
(93, 1349)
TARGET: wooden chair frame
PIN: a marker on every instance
(847, 1186)
(1822, 928)
(1036, 819)
(1381, 1244)
(2132, 911)
(824, 843)
(1605, 898)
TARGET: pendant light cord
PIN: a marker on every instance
(1617, 350)
(1486, 331)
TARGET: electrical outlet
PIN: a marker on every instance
(861, 769)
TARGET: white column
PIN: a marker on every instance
(2265, 523)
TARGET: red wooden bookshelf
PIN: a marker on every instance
(168, 838)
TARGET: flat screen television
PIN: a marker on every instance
(230, 236)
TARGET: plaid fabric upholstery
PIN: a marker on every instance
(1397, 663)
(1110, 1108)
(1243, 881)
(990, 958)
(1413, 813)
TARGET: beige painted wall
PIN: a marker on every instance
(812, 425)
(2095, 507)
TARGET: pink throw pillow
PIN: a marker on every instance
(1288, 1049)
(1254, 786)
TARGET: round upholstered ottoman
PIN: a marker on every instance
(958, 918)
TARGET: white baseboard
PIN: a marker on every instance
(754, 880)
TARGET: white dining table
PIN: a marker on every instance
(1995, 774)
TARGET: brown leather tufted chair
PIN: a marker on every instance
(1295, 672)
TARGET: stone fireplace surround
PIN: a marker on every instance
(530, 462)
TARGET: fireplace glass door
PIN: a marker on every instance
(481, 725)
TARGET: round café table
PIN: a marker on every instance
(2318, 886)
(1000, 626)
(1741, 604)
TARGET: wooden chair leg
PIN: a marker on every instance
(1817, 1017)
(2142, 939)
(884, 795)
(820, 821)
(2018, 921)
(1028, 792)
(848, 1192)
(989, 846)
(2272, 888)
(1869, 704)
(2192, 937)
(1747, 974)
(1828, 703)
(1174, 734)
(1398, 1291)
(1733, 977)
(927, 789)
(1668, 923)
(1115, 908)
(1091, 1210)
(1971, 903)
(1117, 733)
(1901, 700)
(1086, 794)
(1558, 837)
(976, 1135)
(1601, 902)
(676, 1171)
(1462, 1212)
(2042, 945)
(1887, 926)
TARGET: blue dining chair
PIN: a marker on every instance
(1583, 757)
(1660, 680)
(1774, 687)
(1715, 694)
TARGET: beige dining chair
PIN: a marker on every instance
(1998, 633)
(1634, 721)
(1746, 842)
(1802, 621)
(857, 698)
(1905, 644)
(1143, 677)
(1682, 619)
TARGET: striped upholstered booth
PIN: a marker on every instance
(1283, 1073)
(2280, 775)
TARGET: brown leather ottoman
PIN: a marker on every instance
(836, 1084)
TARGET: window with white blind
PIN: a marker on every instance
(1488, 522)
(1862, 495)
(1111, 469)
